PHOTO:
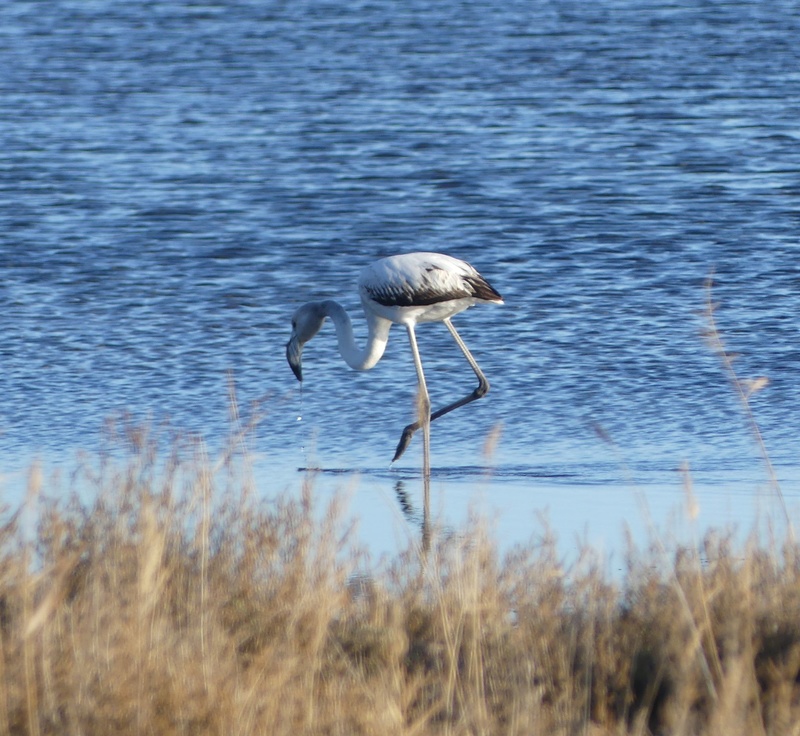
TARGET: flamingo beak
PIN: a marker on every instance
(294, 355)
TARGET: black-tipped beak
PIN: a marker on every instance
(294, 355)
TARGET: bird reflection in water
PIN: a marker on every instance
(413, 516)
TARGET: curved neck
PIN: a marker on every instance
(378, 336)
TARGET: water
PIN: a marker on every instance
(175, 178)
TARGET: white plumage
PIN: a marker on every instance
(403, 289)
(433, 286)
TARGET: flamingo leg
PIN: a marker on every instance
(424, 414)
(481, 390)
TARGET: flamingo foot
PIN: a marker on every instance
(405, 439)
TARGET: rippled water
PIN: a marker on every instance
(175, 178)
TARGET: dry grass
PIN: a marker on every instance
(177, 602)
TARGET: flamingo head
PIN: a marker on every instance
(306, 322)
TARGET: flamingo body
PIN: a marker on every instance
(405, 289)
(422, 287)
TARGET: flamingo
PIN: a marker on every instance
(407, 290)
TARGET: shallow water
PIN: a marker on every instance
(176, 178)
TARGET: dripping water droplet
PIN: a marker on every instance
(300, 413)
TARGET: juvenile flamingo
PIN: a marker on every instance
(406, 289)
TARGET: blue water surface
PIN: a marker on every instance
(177, 177)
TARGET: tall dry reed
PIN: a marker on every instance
(173, 600)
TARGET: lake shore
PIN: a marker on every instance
(177, 600)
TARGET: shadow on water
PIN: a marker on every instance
(455, 473)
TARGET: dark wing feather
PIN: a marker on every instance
(429, 292)
(482, 289)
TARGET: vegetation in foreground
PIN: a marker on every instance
(174, 601)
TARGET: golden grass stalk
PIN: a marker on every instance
(743, 388)
(172, 600)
